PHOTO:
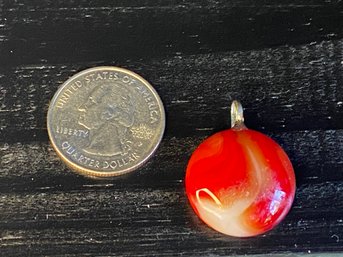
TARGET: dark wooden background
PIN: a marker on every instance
(282, 59)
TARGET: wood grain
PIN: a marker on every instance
(279, 88)
(281, 59)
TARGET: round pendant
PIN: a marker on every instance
(239, 181)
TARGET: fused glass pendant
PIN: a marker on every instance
(239, 181)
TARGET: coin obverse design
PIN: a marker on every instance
(105, 121)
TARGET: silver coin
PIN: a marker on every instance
(105, 121)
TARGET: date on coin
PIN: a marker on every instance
(105, 121)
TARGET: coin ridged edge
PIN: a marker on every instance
(98, 174)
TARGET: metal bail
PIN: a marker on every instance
(237, 119)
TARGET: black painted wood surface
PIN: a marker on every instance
(282, 59)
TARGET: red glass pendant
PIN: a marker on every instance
(239, 181)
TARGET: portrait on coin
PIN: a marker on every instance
(108, 113)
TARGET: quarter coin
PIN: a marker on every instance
(105, 121)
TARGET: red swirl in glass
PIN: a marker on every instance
(240, 182)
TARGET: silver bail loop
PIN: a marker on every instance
(237, 118)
